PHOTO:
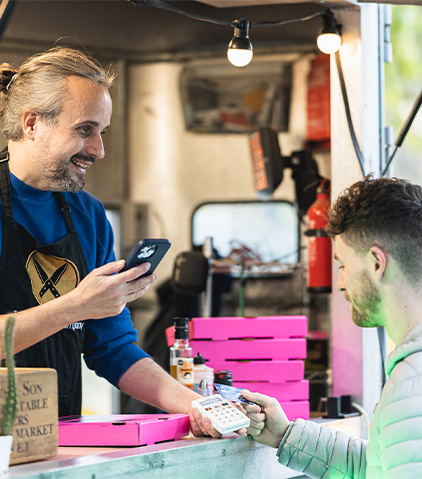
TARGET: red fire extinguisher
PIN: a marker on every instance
(319, 244)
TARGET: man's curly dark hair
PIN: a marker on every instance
(383, 212)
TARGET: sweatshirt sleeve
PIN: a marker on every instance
(110, 347)
(321, 452)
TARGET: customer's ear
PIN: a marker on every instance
(379, 261)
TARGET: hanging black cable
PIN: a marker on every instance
(348, 115)
(203, 18)
(404, 130)
(171, 8)
(286, 22)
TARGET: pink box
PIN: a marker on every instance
(296, 409)
(122, 429)
(259, 327)
(271, 371)
(287, 391)
(245, 349)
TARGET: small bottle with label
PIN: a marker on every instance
(181, 360)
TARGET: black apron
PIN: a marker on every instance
(30, 275)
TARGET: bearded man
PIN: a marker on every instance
(377, 228)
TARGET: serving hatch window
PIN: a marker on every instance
(270, 229)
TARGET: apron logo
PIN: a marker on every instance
(51, 276)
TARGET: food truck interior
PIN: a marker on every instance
(180, 158)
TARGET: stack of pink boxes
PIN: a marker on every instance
(265, 354)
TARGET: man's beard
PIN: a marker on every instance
(60, 179)
(366, 303)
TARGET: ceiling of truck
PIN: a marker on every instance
(117, 26)
(250, 3)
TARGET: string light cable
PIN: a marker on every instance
(171, 8)
(204, 18)
(240, 50)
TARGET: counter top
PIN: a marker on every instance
(231, 457)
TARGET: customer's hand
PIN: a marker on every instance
(268, 421)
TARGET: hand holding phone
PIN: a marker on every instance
(147, 251)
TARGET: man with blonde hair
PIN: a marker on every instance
(57, 266)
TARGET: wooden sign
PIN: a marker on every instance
(35, 430)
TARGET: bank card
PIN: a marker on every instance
(230, 393)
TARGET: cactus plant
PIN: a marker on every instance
(10, 406)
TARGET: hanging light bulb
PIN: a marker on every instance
(240, 49)
(329, 37)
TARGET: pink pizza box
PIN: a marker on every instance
(271, 371)
(122, 429)
(268, 327)
(259, 327)
(296, 409)
(244, 349)
(287, 391)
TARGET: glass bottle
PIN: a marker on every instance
(181, 359)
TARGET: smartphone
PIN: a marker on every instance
(147, 250)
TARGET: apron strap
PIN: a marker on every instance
(65, 209)
(5, 187)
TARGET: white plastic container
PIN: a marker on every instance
(202, 371)
(5, 452)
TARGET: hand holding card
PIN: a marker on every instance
(268, 421)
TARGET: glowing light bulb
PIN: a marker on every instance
(240, 51)
(239, 57)
(329, 42)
